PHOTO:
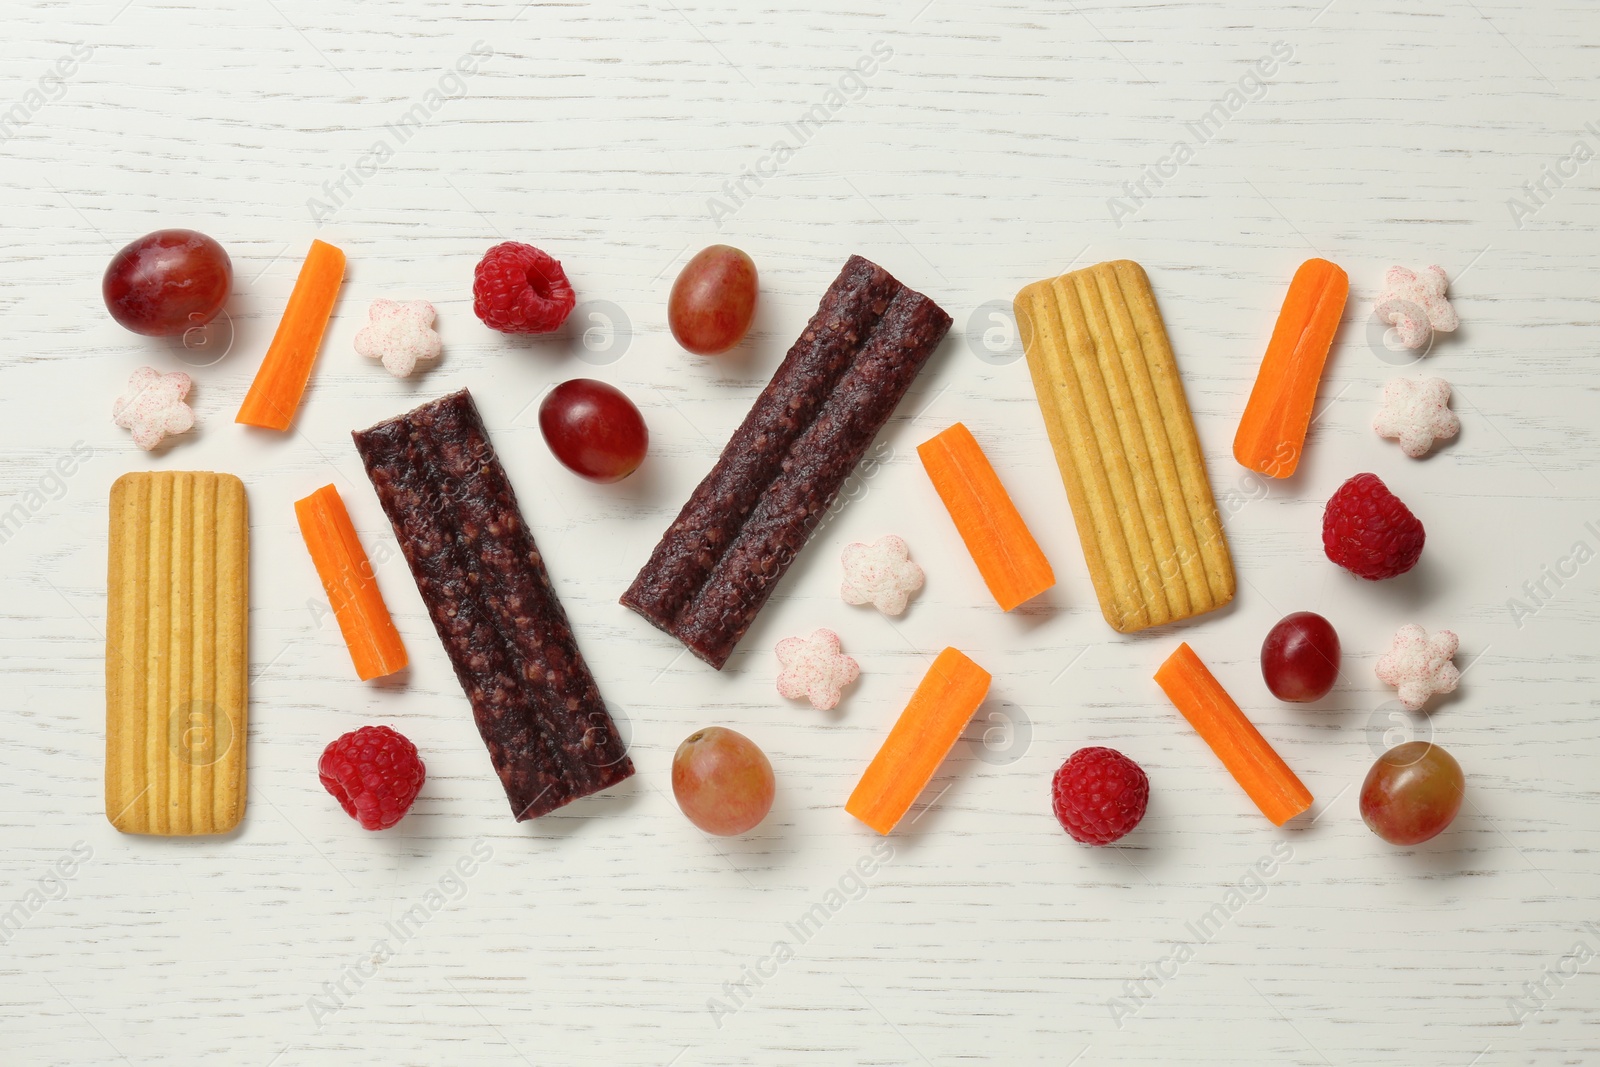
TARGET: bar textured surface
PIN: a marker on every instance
(743, 526)
(455, 515)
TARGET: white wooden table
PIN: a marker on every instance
(991, 145)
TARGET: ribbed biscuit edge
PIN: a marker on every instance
(176, 653)
(1120, 426)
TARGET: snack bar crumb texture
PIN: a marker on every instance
(743, 526)
(176, 653)
(1123, 437)
(548, 732)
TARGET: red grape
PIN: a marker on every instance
(593, 429)
(713, 301)
(1413, 791)
(722, 781)
(1300, 657)
(167, 282)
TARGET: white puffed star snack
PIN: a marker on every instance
(880, 574)
(815, 668)
(1417, 413)
(154, 407)
(400, 333)
(1415, 304)
(1419, 665)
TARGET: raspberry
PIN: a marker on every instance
(1368, 532)
(519, 289)
(1099, 795)
(374, 774)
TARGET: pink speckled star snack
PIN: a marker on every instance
(815, 668)
(1416, 413)
(1415, 305)
(1419, 665)
(400, 334)
(154, 407)
(880, 574)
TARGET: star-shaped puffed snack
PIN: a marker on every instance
(1419, 665)
(1417, 412)
(1415, 304)
(153, 406)
(815, 668)
(880, 574)
(400, 333)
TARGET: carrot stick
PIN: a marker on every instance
(275, 394)
(1219, 722)
(1007, 556)
(368, 629)
(1272, 431)
(924, 734)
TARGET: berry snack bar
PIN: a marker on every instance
(743, 526)
(177, 669)
(548, 732)
(1123, 437)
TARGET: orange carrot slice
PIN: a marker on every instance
(346, 574)
(1272, 431)
(1007, 556)
(279, 384)
(1219, 722)
(924, 734)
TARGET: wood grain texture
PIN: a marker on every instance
(987, 150)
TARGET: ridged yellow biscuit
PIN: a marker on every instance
(176, 653)
(1123, 436)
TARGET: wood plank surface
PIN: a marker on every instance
(970, 148)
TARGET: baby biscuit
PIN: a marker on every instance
(1120, 427)
(176, 653)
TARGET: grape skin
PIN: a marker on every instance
(1300, 657)
(594, 430)
(713, 300)
(1412, 793)
(167, 282)
(722, 781)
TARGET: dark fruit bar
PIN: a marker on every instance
(456, 517)
(748, 519)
